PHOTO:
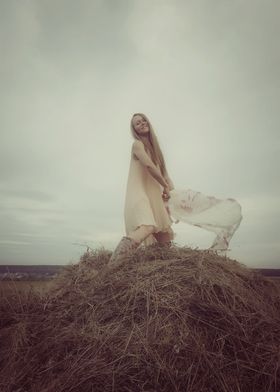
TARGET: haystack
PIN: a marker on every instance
(177, 319)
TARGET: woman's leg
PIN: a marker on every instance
(164, 238)
(141, 233)
(129, 243)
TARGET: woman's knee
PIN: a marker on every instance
(164, 236)
(142, 232)
(148, 229)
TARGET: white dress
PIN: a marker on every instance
(143, 202)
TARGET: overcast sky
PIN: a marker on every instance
(206, 73)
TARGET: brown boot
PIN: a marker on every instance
(125, 247)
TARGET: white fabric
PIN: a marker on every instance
(221, 216)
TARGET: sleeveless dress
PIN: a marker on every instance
(143, 202)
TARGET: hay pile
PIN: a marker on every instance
(173, 319)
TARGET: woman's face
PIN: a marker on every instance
(140, 125)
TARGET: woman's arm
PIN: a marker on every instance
(169, 181)
(139, 150)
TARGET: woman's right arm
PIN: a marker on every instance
(139, 150)
(169, 181)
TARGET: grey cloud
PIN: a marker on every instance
(79, 37)
(27, 194)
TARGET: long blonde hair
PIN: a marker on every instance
(151, 144)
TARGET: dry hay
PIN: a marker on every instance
(175, 319)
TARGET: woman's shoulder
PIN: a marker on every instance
(135, 146)
(137, 143)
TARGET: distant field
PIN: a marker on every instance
(21, 287)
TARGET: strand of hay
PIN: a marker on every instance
(168, 319)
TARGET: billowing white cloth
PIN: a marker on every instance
(222, 216)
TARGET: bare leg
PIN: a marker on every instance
(164, 238)
(141, 233)
(129, 243)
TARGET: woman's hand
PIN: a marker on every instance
(165, 193)
(169, 182)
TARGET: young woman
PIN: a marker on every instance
(146, 218)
